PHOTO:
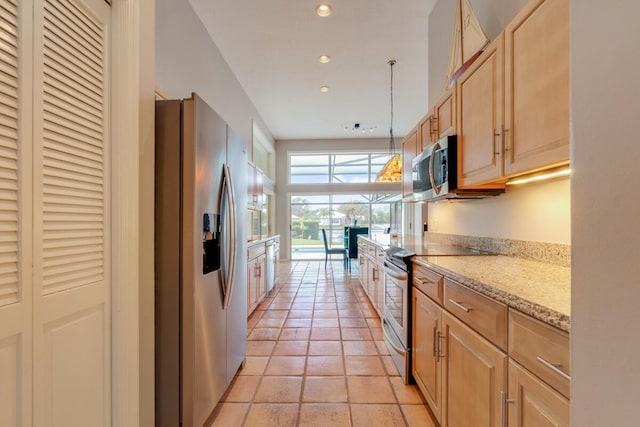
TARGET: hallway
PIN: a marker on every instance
(316, 357)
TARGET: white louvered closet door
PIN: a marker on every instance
(71, 221)
(15, 213)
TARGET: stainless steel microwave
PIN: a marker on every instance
(435, 174)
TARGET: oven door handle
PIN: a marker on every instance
(395, 272)
(391, 333)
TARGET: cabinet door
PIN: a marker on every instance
(533, 403)
(251, 287)
(409, 151)
(376, 279)
(475, 375)
(362, 270)
(261, 263)
(427, 132)
(380, 290)
(537, 87)
(480, 117)
(445, 111)
(427, 368)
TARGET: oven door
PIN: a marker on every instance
(396, 302)
(394, 323)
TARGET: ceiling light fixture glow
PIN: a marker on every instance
(323, 10)
(324, 89)
(358, 127)
(324, 59)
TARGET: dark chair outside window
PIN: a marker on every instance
(330, 251)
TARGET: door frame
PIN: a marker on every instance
(132, 299)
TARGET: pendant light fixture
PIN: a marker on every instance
(392, 170)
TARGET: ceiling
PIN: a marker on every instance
(273, 47)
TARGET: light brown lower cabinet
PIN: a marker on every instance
(256, 282)
(532, 403)
(474, 378)
(427, 365)
(371, 274)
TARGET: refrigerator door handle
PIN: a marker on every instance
(230, 223)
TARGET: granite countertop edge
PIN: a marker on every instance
(261, 241)
(537, 311)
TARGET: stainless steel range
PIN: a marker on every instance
(397, 308)
(396, 322)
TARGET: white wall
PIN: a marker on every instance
(283, 188)
(538, 212)
(187, 61)
(605, 304)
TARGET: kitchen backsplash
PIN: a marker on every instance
(552, 253)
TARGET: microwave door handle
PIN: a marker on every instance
(432, 162)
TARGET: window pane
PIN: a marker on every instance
(309, 169)
(380, 217)
(350, 168)
(309, 160)
(312, 213)
(378, 160)
(336, 168)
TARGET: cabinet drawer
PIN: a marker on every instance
(428, 282)
(541, 348)
(255, 251)
(486, 316)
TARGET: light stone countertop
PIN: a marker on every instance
(261, 241)
(538, 289)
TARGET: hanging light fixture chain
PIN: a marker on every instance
(392, 145)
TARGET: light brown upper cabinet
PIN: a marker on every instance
(409, 151)
(537, 87)
(513, 102)
(480, 117)
(428, 131)
(445, 113)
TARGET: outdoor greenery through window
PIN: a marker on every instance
(341, 168)
(311, 213)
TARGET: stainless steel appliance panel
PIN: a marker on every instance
(204, 153)
(396, 326)
(237, 159)
(200, 316)
(396, 300)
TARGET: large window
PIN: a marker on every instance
(339, 168)
(332, 212)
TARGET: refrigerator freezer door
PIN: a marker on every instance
(204, 153)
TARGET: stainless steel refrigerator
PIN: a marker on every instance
(200, 260)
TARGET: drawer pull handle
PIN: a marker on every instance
(460, 306)
(555, 367)
(424, 282)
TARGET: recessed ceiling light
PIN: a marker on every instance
(323, 59)
(324, 89)
(323, 10)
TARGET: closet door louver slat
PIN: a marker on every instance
(9, 203)
(73, 153)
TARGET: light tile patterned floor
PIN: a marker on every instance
(316, 357)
